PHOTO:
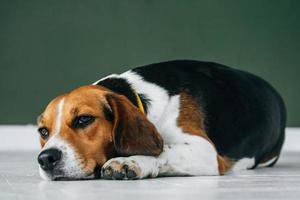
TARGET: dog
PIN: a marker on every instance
(174, 118)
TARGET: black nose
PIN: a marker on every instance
(49, 158)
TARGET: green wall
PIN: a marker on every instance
(49, 47)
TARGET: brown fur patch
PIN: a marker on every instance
(225, 164)
(191, 117)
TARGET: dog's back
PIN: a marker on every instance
(244, 115)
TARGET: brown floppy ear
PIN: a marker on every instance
(133, 133)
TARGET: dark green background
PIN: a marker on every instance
(49, 47)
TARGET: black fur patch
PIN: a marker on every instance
(121, 86)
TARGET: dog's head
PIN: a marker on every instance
(81, 130)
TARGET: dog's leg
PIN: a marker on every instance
(195, 156)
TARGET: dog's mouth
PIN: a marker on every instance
(64, 178)
(60, 175)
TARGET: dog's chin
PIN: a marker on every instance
(62, 176)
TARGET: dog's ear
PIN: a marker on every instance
(133, 133)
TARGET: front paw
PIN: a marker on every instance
(121, 169)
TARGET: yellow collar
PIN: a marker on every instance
(139, 102)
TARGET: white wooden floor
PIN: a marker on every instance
(19, 179)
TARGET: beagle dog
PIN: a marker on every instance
(175, 118)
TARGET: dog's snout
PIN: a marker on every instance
(49, 158)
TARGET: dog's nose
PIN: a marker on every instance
(49, 158)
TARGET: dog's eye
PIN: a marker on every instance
(82, 121)
(44, 133)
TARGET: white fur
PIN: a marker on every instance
(248, 163)
(242, 164)
(183, 154)
(159, 98)
(109, 76)
(268, 162)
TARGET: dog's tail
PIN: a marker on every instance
(270, 159)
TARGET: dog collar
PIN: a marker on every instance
(139, 102)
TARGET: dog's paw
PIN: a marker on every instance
(121, 169)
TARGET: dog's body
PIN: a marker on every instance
(170, 119)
